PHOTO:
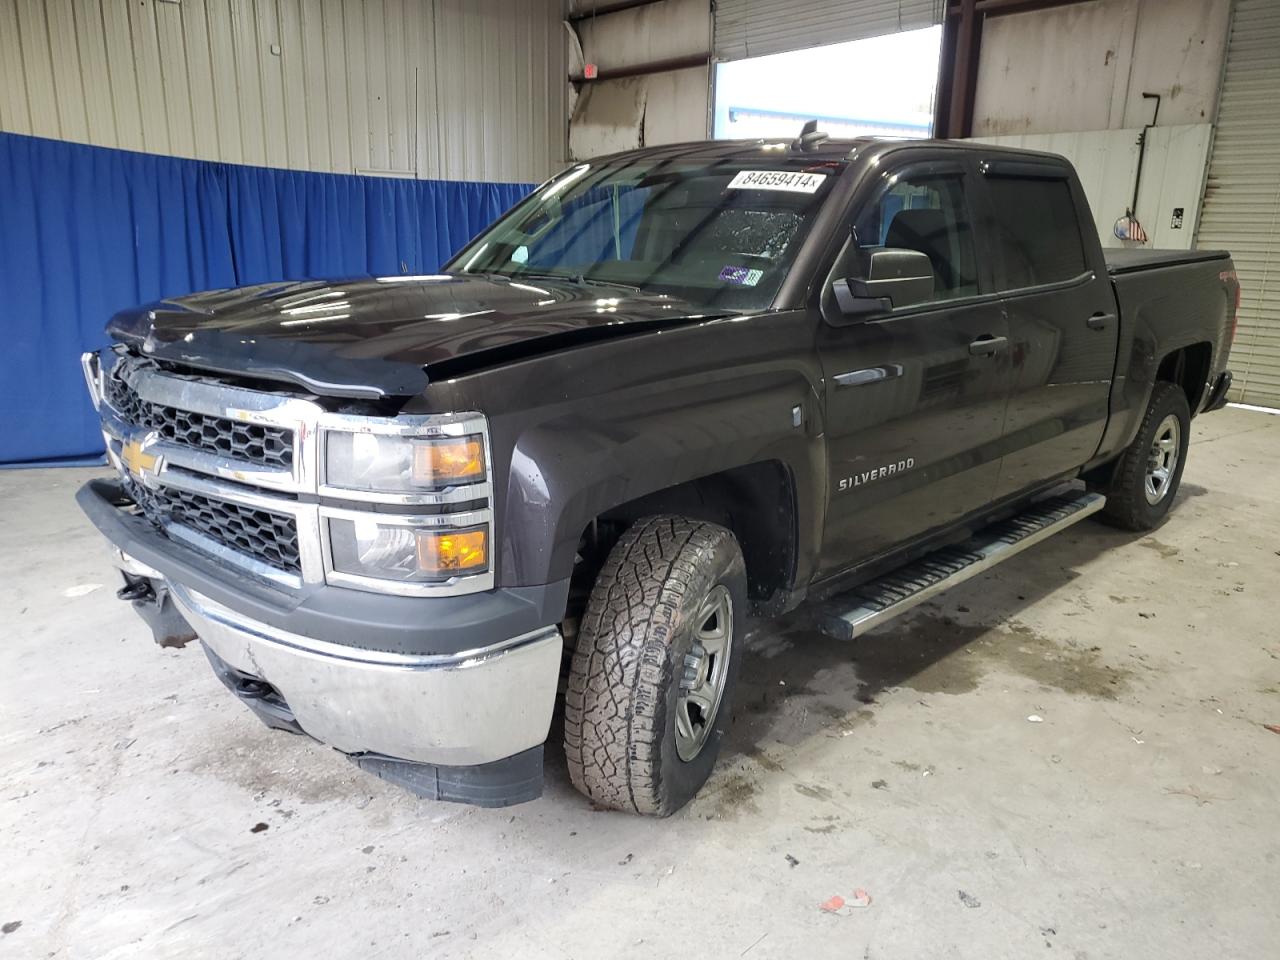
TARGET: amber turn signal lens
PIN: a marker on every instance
(438, 460)
(444, 553)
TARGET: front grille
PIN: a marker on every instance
(251, 442)
(266, 536)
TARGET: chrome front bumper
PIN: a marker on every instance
(464, 709)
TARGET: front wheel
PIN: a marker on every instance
(653, 671)
(1147, 475)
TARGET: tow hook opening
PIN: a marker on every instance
(151, 601)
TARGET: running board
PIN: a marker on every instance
(854, 613)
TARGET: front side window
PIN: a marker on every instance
(1037, 231)
(715, 234)
(927, 214)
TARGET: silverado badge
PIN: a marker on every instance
(876, 473)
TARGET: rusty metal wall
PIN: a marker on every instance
(1085, 66)
(664, 107)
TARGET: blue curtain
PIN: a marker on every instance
(86, 231)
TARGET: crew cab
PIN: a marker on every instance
(412, 516)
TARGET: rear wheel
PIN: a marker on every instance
(654, 667)
(1147, 475)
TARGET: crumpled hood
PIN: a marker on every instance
(375, 337)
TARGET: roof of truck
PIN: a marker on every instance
(828, 149)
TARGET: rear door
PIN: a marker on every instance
(914, 400)
(1063, 327)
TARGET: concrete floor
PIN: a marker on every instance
(1138, 819)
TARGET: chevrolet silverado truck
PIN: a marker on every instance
(412, 516)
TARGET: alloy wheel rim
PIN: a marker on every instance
(706, 669)
(1162, 459)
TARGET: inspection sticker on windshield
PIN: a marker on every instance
(792, 181)
(741, 276)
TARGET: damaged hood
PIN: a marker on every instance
(375, 337)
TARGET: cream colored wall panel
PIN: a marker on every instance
(126, 108)
(297, 103)
(399, 88)
(376, 74)
(199, 75)
(226, 87)
(432, 88)
(149, 76)
(91, 50)
(357, 87)
(65, 60)
(270, 55)
(175, 80)
(335, 82)
(37, 68)
(248, 80)
(13, 86)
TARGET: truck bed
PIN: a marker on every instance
(1132, 259)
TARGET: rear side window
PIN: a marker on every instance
(1037, 231)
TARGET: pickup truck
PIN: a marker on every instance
(413, 516)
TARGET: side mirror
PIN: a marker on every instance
(894, 278)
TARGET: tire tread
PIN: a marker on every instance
(615, 707)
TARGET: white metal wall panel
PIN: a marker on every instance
(432, 88)
(754, 28)
(1107, 162)
(1242, 196)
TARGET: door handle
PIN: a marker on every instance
(1099, 321)
(988, 346)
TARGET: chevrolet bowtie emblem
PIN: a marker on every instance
(136, 460)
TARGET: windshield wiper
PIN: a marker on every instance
(578, 279)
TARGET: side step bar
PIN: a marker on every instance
(854, 613)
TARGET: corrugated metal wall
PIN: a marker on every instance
(1242, 198)
(449, 89)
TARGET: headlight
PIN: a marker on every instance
(395, 464)
(367, 548)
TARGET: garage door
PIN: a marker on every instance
(754, 28)
(1242, 196)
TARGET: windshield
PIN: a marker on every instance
(717, 235)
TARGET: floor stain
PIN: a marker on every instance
(735, 796)
(284, 769)
(766, 761)
(830, 824)
(933, 654)
(1164, 549)
(814, 791)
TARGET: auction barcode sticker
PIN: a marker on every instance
(790, 180)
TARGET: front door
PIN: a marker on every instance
(915, 401)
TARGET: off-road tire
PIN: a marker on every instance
(1127, 505)
(624, 682)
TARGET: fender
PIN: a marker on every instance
(1162, 311)
(606, 424)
